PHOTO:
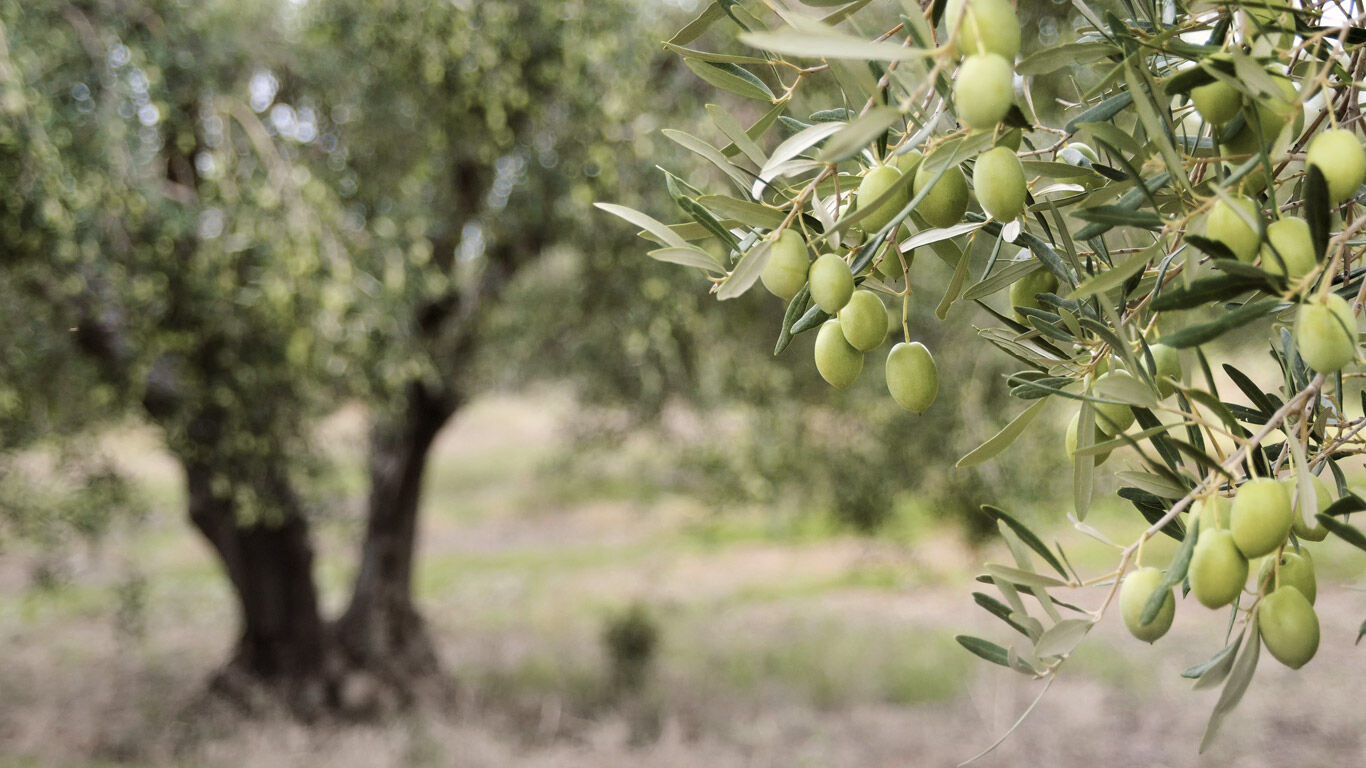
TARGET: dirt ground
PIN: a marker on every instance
(776, 650)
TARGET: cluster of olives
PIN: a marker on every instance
(1325, 327)
(1257, 523)
(1112, 418)
(987, 33)
(860, 323)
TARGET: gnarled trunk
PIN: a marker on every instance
(283, 645)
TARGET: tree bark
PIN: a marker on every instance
(382, 632)
(283, 644)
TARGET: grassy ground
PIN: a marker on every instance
(783, 643)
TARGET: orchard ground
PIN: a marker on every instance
(782, 642)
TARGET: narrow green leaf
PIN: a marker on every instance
(985, 649)
(746, 273)
(1027, 536)
(731, 78)
(1021, 576)
(1061, 638)
(1196, 335)
(1002, 440)
(830, 44)
(857, 135)
(1113, 278)
(688, 256)
(1240, 676)
(661, 233)
(1344, 531)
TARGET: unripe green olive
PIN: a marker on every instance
(947, 201)
(831, 283)
(987, 26)
(1024, 291)
(1323, 498)
(1294, 247)
(1260, 519)
(1225, 225)
(1167, 364)
(1073, 433)
(864, 320)
(1212, 511)
(1217, 102)
(1338, 155)
(1270, 115)
(907, 162)
(785, 272)
(1113, 418)
(1084, 150)
(875, 183)
(890, 264)
(1326, 334)
(1218, 570)
(1289, 627)
(912, 377)
(999, 180)
(838, 362)
(1134, 594)
(983, 90)
(1297, 570)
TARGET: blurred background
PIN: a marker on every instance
(337, 427)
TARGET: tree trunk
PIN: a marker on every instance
(382, 635)
(283, 647)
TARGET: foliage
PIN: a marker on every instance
(1170, 153)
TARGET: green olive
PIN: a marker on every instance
(1217, 102)
(907, 162)
(999, 181)
(1167, 363)
(1338, 155)
(1218, 570)
(1289, 627)
(947, 200)
(1294, 248)
(864, 320)
(1212, 511)
(1134, 594)
(1073, 434)
(838, 362)
(1271, 116)
(876, 182)
(1024, 292)
(1297, 570)
(1084, 150)
(987, 26)
(912, 377)
(1326, 334)
(1260, 519)
(831, 283)
(1323, 498)
(890, 264)
(983, 90)
(785, 272)
(1225, 225)
(1113, 418)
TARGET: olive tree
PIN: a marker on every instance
(1135, 206)
(229, 218)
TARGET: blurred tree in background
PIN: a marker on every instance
(230, 218)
